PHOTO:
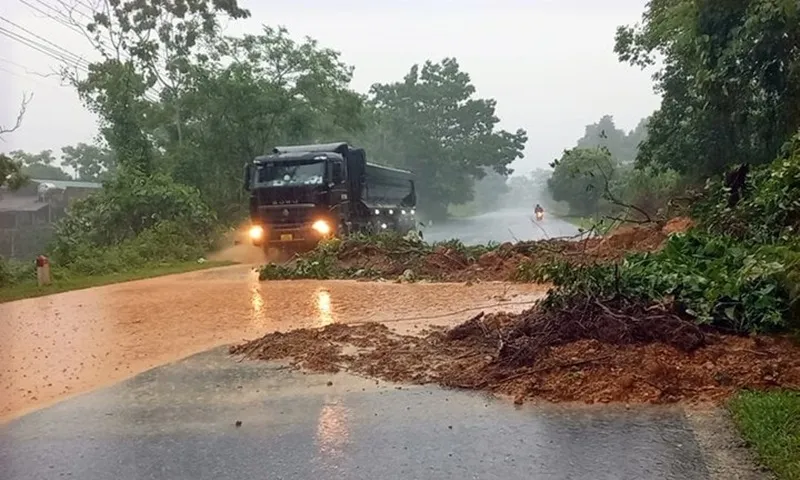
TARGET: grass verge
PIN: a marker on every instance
(29, 289)
(770, 422)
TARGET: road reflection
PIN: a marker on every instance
(257, 303)
(324, 307)
(332, 430)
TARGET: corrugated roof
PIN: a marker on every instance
(64, 184)
(26, 203)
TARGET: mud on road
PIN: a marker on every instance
(61, 345)
(493, 352)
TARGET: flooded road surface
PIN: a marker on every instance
(56, 346)
(501, 226)
(211, 417)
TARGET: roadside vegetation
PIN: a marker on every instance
(24, 285)
(770, 422)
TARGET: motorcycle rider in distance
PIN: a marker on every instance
(538, 211)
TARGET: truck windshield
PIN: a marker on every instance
(294, 173)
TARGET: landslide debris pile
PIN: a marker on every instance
(666, 323)
(393, 257)
(593, 352)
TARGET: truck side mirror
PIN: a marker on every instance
(247, 177)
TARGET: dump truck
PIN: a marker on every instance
(301, 194)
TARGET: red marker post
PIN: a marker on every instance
(43, 270)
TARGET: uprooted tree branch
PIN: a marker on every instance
(5, 129)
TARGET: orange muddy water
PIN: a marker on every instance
(61, 345)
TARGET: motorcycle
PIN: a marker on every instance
(539, 215)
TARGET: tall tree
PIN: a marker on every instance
(730, 80)
(115, 91)
(623, 146)
(582, 177)
(431, 123)
(91, 163)
(40, 165)
(147, 48)
(249, 95)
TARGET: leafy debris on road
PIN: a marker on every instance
(392, 257)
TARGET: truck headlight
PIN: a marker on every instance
(377, 212)
(413, 211)
(321, 227)
(391, 212)
(402, 212)
(256, 232)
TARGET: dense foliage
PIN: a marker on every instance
(730, 80)
(731, 99)
(598, 177)
(158, 218)
(11, 174)
(739, 270)
(581, 178)
(431, 123)
(769, 213)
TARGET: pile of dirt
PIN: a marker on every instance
(458, 263)
(611, 352)
(678, 225)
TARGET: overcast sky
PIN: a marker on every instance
(549, 63)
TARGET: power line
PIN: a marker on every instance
(54, 54)
(67, 21)
(37, 46)
(62, 51)
(71, 9)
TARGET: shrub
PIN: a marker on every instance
(770, 209)
(714, 279)
(13, 272)
(134, 219)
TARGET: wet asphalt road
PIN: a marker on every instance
(500, 226)
(178, 422)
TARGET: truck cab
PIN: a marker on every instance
(301, 194)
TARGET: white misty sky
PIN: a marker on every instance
(549, 63)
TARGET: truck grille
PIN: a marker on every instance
(286, 215)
